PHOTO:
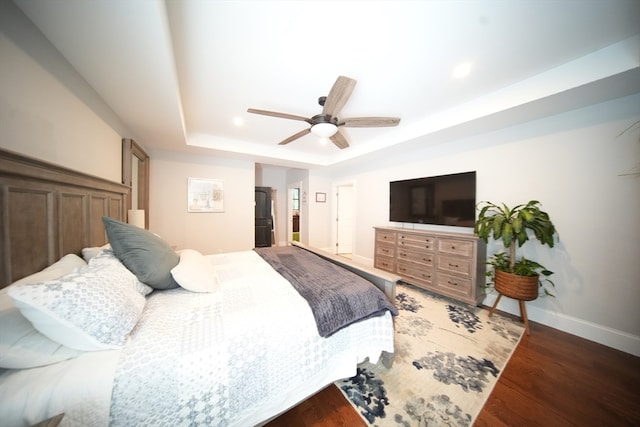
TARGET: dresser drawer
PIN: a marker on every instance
(385, 250)
(455, 247)
(425, 258)
(416, 241)
(415, 271)
(454, 285)
(386, 236)
(451, 264)
(384, 263)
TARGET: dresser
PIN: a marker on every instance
(450, 264)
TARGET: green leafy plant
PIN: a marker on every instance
(522, 267)
(513, 227)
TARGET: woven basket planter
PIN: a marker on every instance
(523, 288)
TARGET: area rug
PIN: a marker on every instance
(448, 357)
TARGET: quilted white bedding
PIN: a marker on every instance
(233, 357)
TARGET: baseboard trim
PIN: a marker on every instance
(604, 335)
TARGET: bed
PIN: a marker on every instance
(114, 334)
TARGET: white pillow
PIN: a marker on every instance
(21, 345)
(194, 272)
(88, 253)
(93, 308)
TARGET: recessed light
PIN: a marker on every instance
(462, 70)
(238, 121)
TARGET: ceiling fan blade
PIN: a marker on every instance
(339, 140)
(338, 96)
(294, 137)
(280, 115)
(369, 122)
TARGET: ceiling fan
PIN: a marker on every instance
(327, 123)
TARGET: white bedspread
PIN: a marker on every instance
(80, 387)
(235, 357)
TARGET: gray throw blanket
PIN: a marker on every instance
(337, 297)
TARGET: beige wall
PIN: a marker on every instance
(46, 110)
(577, 164)
(209, 233)
(319, 214)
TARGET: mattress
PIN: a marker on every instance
(234, 357)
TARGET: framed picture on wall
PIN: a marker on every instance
(205, 195)
(321, 197)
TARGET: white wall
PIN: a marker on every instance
(47, 111)
(209, 233)
(575, 164)
(319, 214)
(315, 217)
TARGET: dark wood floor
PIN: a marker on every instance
(552, 379)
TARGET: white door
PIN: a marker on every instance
(345, 219)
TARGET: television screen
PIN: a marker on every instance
(442, 200)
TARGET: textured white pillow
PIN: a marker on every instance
(107, 257)
(21, 345)
(63, 266)
(92, 308)
(194, 272)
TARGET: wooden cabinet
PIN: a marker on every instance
(451, 264)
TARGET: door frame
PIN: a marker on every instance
(289, 208)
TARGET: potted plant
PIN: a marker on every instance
(518, 278)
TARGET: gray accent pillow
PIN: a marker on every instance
(143, 253)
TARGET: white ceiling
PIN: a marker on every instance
(177, 73)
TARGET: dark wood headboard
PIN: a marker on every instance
(47, 211)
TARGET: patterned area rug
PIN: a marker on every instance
(448, 358)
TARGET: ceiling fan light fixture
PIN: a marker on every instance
(324, 130)
(325, 125)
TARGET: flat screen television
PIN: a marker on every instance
(441, 200)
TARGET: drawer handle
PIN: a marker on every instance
(454, 265)
(453, 247)
(426, 276)
(427, 247)
(452, 283)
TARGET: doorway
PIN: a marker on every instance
(345, 217)
(293, 214)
